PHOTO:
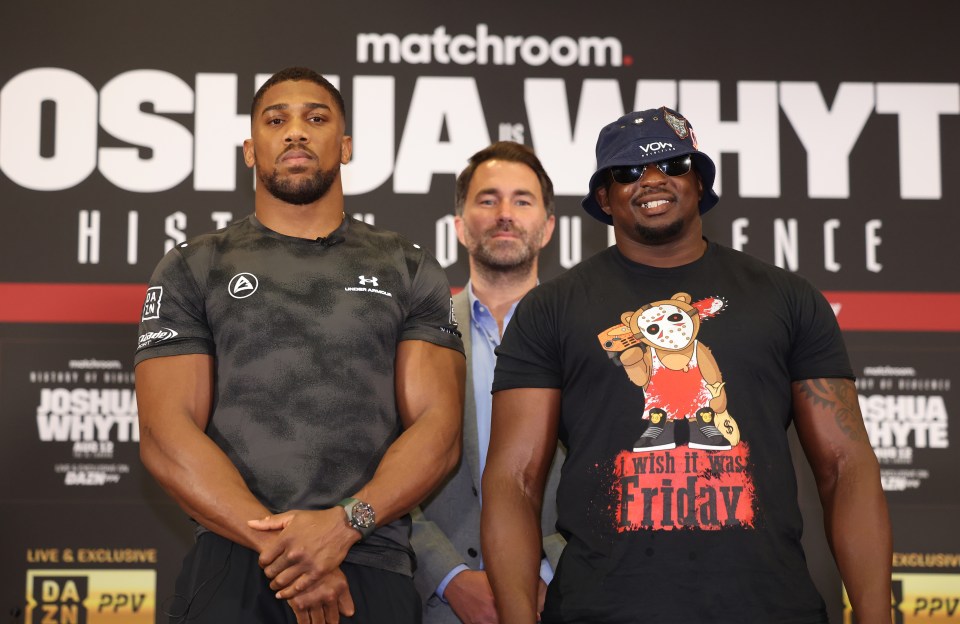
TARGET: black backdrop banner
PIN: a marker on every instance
(833, 126)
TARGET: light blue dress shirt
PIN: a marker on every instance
(485, 338)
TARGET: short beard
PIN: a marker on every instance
(300, 192)
(660, 235)
(517, 262)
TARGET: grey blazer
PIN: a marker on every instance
(446, 527)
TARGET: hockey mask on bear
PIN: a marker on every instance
(671, 324)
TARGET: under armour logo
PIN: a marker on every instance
(242, 285)
(369, 280)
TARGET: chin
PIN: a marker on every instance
(659, 235)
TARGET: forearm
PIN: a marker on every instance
(207, 486)
(415, 464)
(831, 430)
(429, 391)
(510, 537)
(523, 440)
(857, 525)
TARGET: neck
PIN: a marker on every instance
(499, 290)
(309, 221)
(687, 248)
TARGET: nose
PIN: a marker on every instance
(295, 131)
(505, 212)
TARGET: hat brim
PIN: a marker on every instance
(705, 169)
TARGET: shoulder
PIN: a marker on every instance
(234, 235)
(364, 233)
(589, 276)
(393, 245)
(727, 256)
(745, 264)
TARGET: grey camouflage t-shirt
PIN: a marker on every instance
(304, 334)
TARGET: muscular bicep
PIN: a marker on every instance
(173, 392)
(523, 437)
(829, 424)
(429, 379)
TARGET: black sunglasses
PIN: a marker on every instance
(629, 174)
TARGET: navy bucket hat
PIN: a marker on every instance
(643, 137)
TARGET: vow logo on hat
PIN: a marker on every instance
(656, 146)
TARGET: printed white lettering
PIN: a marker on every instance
(873, 241)
(438, 102)
(568, 153)
(484, 48)
(755, 137)
(906, 420)
(174, 226)
(828, 135)
(786, 244)
(133, 235)
(75, 129)
(85, 415)
(446, 242)
(374, 134)
(161, 153)
(220, 131)
(739, 237)
(829, 247)
(88, 237)
(918, 108)
(570, 242)
(169, 143)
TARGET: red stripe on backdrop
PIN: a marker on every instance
(896, 311)
(122, 303)
(71, 303)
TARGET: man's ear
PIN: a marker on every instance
(249, 156)
(601, 196)
(458, 225)
(346, 149)
(548, 230)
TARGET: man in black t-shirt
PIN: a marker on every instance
(671, 368)
(300, 385)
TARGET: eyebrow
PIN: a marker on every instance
(306, 106)
(494, 191)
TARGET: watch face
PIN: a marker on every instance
(362, 515)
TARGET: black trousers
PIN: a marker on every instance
(221, 582)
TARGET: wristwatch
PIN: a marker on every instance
(360, 516)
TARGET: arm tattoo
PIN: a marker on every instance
(838, 397)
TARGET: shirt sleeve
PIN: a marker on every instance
(173, 320)
(529, 356)
(818, 350)
(442, 587)
(546, 571)
(431, 316)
